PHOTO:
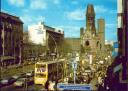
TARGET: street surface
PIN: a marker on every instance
(90, 79)
(29, 88)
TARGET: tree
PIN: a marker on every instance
(65, 47)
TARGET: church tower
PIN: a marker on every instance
(90, 19)
(92, 39)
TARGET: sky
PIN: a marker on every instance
(68, 15)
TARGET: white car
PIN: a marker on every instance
(20, 82)
(4, 82)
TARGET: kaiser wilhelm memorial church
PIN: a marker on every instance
(92, 39)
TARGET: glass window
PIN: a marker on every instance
(42, 75)
(40, 66)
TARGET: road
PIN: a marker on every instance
(16, 70)
(29, 88)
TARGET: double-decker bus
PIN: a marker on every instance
(49, 71)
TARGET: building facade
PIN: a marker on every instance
(48, 37)
(119, 67)
(122, 58)
(11, 37)
(92, 39)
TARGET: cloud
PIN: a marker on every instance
(18, 3)
(56, 1)
(29, 20)
(71, 31)
(26, 10)
(109, 25)
(38, 4)
(113, 12)
(74, 2)
(78, 14)
(100, 9)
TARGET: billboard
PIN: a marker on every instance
(37, 34)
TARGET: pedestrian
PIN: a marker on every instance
(51, 86)
(99, 80)
(47, 85)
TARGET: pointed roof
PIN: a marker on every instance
(90, 9)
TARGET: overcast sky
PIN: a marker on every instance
(66, 14)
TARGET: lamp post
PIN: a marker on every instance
(20, 46)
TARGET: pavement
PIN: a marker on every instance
(29, 88)
(94, 82)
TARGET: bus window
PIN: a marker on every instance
(41, 75)
(40, 66)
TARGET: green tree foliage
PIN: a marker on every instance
(65, 47)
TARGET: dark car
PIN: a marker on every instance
(30, 80)
(22, 75)
(20, 82)
(0, 83)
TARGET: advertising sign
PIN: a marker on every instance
(74, 87)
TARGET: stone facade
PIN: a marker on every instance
(92, 39)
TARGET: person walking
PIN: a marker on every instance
(47, 85)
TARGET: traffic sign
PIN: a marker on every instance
(74, 65)
(82, 87)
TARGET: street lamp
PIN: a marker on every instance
(20, 45)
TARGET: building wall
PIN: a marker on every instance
(93, 41)
(11, 36)
(101, 32)
(55, 39)
(37, 34)
(49, 37)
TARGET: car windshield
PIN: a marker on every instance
(22, 79)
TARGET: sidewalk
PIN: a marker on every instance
(93, 83)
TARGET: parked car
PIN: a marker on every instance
(7, 81)
(0, 83)
(20, 82)
(30, 80)
(23, 75)
(30, 74)
(16, 77)
(4, 82)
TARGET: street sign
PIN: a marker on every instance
(74, 65)
(83, 87)
(77, 58)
